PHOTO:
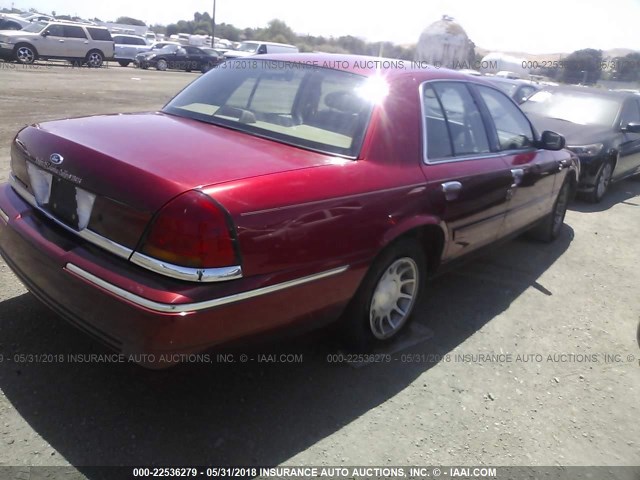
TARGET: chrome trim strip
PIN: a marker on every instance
(205, 275)
(4, 216)
(185, 308)
(86, 234)
(208, 275)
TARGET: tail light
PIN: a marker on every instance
(191, 231)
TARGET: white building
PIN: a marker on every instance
(444, 43)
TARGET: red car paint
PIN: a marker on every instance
(295, 213)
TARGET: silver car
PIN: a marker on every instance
(83, 44)
(127, 47)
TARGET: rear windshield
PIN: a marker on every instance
(310, 107)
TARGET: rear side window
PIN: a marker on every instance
(513, 128)
(100, 34)
(465, 126)
(71, 31)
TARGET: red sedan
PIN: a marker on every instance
(271, 192)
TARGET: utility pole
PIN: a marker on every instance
(213, 25)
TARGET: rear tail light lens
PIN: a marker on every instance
(191, 231)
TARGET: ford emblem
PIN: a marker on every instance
(56, 158)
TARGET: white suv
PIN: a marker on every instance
(76, 42)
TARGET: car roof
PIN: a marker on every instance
(372, 66)
(269, 43)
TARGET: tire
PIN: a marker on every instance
(387, 297)
(124, 63)
(162, 65)
(603, 180)
(550, 227)
(94, 59)
(25, 54)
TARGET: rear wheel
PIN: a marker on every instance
(25, 54)
(387, 297)
(94, 59)
(124, 63)
(550, 227)
(603, 180)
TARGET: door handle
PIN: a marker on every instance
(518, 175)
(451, 190)
(61, 41)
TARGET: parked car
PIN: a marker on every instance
(235, 211)
(519, 90)
(601, 127)
(179, 57)
(85, 44)
(246, 49)
(12, 21)
(127, 47)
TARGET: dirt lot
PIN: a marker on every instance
(574, 303)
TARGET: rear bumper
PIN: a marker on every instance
(136, 312)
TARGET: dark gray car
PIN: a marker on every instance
(601, 127)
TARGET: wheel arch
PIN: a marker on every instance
(429, 231)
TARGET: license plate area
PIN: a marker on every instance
(64, 200)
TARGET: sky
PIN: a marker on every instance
(540, 26)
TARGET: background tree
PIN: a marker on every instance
(130, 21)
(627, 68)
(583, 66)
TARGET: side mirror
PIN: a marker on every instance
(46, 33)
(552, 141)
(631, 128)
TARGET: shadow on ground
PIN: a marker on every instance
(625, 192)
(120, 414)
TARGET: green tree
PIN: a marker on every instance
(627, 68)
(130, 21)
(583, 66)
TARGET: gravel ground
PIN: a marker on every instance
(563, 316)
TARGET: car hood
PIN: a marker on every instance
(8, 34)
(144, 160)
(574, 133)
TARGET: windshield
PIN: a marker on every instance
(35, 27)
(576, 107)
(248, 47)
(310, 107)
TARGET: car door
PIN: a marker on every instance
(468, 183)
(194, 58)
(534, 170)
(629, 158)
(51, 42)
(76, 43)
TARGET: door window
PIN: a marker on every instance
(630, 113)
(71, 31)
(464, 125)
(55, 30)
(513, 128)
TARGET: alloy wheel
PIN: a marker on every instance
(25, 55)
(393, 298)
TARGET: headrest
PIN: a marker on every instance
(346, 102)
